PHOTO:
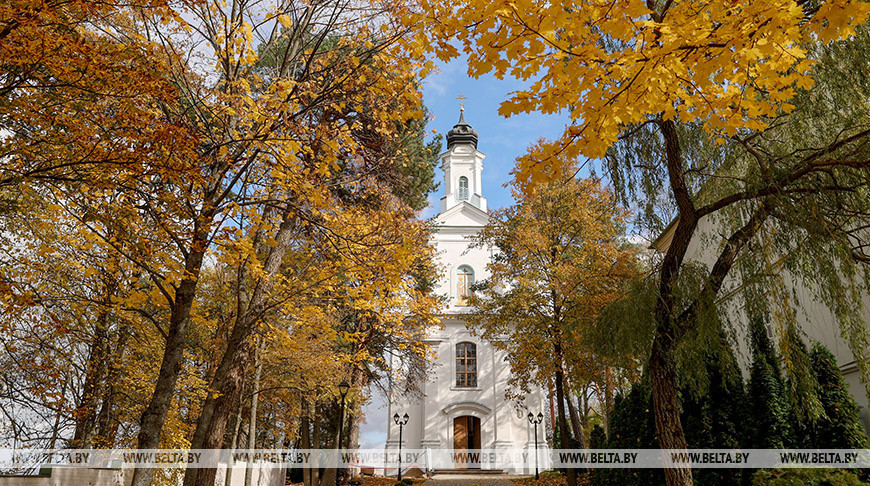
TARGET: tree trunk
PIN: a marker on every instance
(669, 330)
(305, 439)
(329, 472)
(315, 441)
(666, 402)
(354, 420)
(550, 393)
(666, 405)
(564, 432)
(55, 429)
(559, 360)
(151, 423)
(608, 399)
(95, 377)
(252, 421)
(576, 427)
(328, 476)
(234, 442)
(107, 420)
(228, 377)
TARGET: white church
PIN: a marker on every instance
(463, 405)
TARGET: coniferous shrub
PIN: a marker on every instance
(597, 438)
(728, 415)
(770, 409)
(729, 405)
(840, 427)
(712, 419)
(805, 477)
(715, 419)
(804, 413)
(632, 426)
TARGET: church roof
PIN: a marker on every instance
(463, 215)
(462, 133)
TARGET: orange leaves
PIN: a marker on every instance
(836, 20)
(174, 145)
(616, 63)
(559, 262)
(79, 103)
(547, 478)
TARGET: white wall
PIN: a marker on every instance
(263, 475)
(73, 476)
(814, 317)
(432, 414)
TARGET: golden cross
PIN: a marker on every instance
(461, 98)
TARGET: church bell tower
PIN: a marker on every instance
(462, 403)
(462, 165)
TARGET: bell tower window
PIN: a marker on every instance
(463, 188)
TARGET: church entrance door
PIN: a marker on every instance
(466, 435)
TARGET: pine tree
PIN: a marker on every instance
(770, 409)
(598, 437)
(714, 419)
(632, 426)
(840, 427)
(728, 397)
(802, 389)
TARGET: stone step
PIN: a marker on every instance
(467, 472)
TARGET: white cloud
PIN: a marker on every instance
(373, 433)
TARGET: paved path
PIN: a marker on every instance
(469, 480)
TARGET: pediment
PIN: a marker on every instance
(463, 214)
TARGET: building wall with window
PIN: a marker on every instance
(463, 404)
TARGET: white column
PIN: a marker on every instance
(478, 169)
(495, 398)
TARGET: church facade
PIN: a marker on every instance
(463, 404)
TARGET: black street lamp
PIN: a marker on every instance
(343, 388)
(532, 420)
(401, 422)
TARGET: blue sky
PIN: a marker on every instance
(502, 140)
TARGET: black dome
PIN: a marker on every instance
(462, 133)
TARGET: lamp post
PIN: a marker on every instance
(536, 420)
(401, 422)
(343, 388)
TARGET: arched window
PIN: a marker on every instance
(466, 365)
(464, 279)
(463, 188)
